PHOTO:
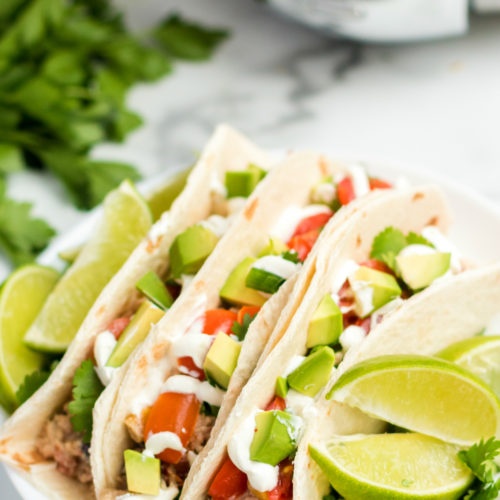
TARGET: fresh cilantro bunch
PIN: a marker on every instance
(65, 69)
(480, 458)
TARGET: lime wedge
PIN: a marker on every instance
(21, 299)
(125, 220)
(480, 355)
(423, 394)
(161, 199)
(396, 466)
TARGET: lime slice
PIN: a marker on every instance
(162, 198)
(396, 466)
(125, 220)
(21, 299)
(480, 355)
(424, 394)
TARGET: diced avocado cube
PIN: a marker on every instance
(190, 249)
(264, 281)
(259, 171)
(281, 387)
(274, 247)
(326, 323)
(152, 286)
(136, 331)
(372, 289)
(234, 289)
(241, 183)
(221, 359)
(143, 473)
(420, 270)
(313, 373)
(275, 437)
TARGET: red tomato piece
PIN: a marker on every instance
(187, 365)
(316, 221)
(117, 326)
(345, 191)
(218, 320)
(303, 243)
(277, 403)
(173, 412)
(377, 265)
(284, 488)
(251, 310)
(229, 483)
(378, 183)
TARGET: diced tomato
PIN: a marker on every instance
(345, 191)
(378, 183)
(229, 483)
(277, 403)
(284, 488)
(303, 243)
(173, 412)
(316, 221)
(377, 265)
(117, 326)
(187, 365)
(218, 320)
(250, 310)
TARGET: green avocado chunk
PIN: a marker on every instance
(221, 359)
(326, 323)
(236, 292)
(275, 437)
(372, 289)
(136, 331)
(243, 182)
(190, 250)
(420, 270)
(281, 387)
(152, 286)
(313, 373)
(143, 473)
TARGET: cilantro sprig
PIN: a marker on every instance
(86, 389)
(480, 458)
(65, 69)
(33, 382)
(241, 329)
(388, 243)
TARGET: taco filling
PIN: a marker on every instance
(172, 431)
(259, 463)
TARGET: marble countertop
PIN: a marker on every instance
(434, 105)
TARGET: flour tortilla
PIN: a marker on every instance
(226, 150)
(289, 183)
(408, 210)
(446, 312)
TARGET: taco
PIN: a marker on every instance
(166, 410)
(435, 322)
(363, 273)
(48, 437)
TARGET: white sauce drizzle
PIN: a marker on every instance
(183, 384)
(195, 345)
(165, 494)
(275, 264)
(363, 295)
(217, 224)
(301, 405)
(104, 345)
(351, 337)
(359, 180)
(261, 476)
(156, 443)
(346, 269)
(443, 244)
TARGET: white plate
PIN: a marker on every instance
(475, 231)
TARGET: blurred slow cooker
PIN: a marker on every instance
(386, 20)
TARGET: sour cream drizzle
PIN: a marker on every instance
(359, 180)
(195, 345)
(184, 384)
(156, 443)
(104, 345)
(275, 264)
(261, 476)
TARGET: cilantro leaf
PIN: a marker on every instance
(185, 40)
(387, 245)
(86, 389)
(22, 236)
(240, 329)
(480, 458)
(31, 384)
(417, 239)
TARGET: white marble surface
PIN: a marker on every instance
(435, 105)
